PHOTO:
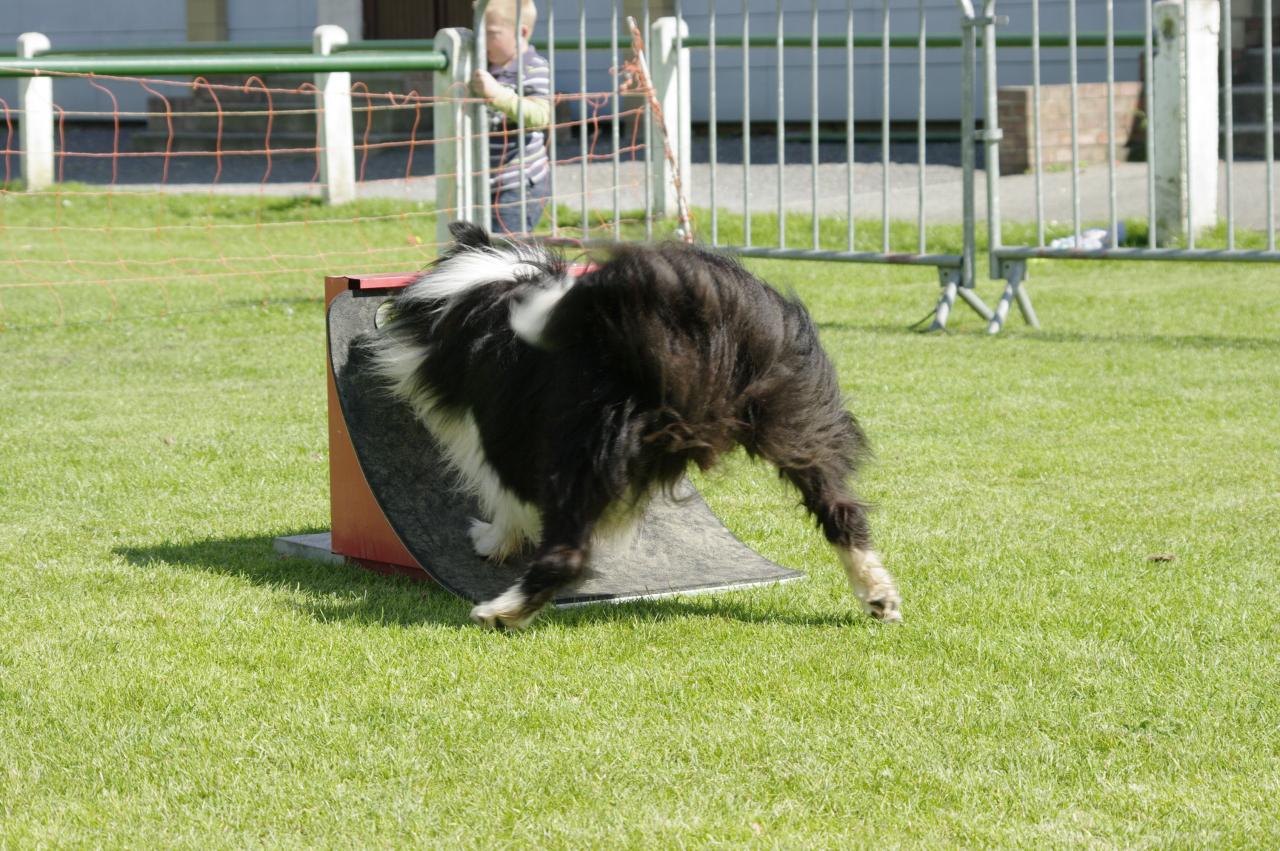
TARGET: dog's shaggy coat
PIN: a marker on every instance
(563, 403)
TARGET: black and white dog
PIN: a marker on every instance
(564, 402)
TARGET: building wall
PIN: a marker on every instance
(1017, 122)
(273, 20)
(942, 16)
(82, 23)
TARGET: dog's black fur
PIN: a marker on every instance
(660, 357)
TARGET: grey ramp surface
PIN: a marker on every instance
(681, 546)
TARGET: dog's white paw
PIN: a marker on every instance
(510, 610)
(872, 585)
(883, 602)
(488, 540)
(497, 541)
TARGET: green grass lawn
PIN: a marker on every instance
(167, 681)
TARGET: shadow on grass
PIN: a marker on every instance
(1206, 342)
(349, 593)
(331, 592)
(883, 328)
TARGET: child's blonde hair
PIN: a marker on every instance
(504, 12)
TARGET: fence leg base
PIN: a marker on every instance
(971, 298)
(1014, 272)
(941, 313)
(952, 287)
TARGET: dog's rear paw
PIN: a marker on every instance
(884, 604)
(872, 585)
(511, 610)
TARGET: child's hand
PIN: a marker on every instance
(483, 85)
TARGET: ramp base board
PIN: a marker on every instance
(680, 547)
(316, 547)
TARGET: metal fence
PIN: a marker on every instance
(1183, 52)
(641, 121)
(1180, 111)
(661, 50)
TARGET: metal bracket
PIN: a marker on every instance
(993, 20)
(1014, 273)
(951, 279)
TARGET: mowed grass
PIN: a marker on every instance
(167, 681)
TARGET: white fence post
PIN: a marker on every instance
(1186, 118)
(452, 146)
(670, 71)
(335, 137)
(35, 104)
(482, 191)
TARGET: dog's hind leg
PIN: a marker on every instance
(871, 583)
(843, 519)
(817, 453)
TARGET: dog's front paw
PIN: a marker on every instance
(511, 610)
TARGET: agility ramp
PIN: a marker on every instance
(394, 504)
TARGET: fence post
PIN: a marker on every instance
(482, 192)
(991, 133)
(669, 69)
(35, 103)
(333, 123)
(1185, 122)
(1013, 272)
(960, 282)
(451, 118)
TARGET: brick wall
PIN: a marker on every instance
(1017, 120)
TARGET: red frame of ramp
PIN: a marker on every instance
(358, 529)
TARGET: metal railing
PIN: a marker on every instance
(1183, 51)
(659, 163)
(666, 158)
(331, 61)
(664, 154)
(127, 64)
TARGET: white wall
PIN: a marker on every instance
(271, 20)
(85, 23)
(82, 23)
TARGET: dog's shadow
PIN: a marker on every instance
(353, 594)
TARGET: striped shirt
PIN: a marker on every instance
(504, 134)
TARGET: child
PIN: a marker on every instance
(497, 85)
